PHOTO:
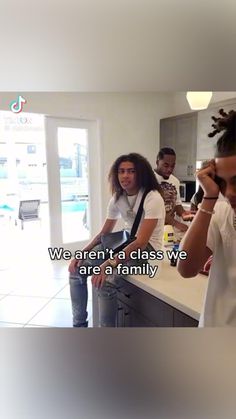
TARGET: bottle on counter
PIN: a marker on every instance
(175, 250)
(169, 237)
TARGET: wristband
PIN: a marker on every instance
(210, 197)
(206, 211)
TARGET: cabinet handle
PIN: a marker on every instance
(123, 293)
(120, 308)
(127, 313)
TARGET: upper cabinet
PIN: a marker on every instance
(180, 133)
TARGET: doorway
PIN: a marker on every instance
(54, 161)
(73, 169)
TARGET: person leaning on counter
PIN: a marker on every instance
(213, 230)
(130, 176)
(165, 164)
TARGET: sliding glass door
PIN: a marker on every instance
(73, 167)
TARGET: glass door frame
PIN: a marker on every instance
(53, 172)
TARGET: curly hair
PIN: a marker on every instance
(145, 175)
(226, 144)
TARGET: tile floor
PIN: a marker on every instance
(34, 290)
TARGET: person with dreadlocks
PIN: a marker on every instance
(213, 230)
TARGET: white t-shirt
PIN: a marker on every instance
(220, 300)
(170, 188)
(153, 208)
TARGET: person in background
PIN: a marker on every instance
(197, 197)
(129, 177)
(165, 164)
(213, 230)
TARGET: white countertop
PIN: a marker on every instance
(184, 294)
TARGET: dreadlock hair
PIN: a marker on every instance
(144, 174)
(226, 144)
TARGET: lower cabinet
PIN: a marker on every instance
(129, 317)
(182, 320)
(137, 308)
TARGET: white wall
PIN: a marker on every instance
(128, 121)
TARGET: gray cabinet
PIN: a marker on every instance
(142, 309)
(137, 308)
(180, 133)
(182, 320)
(129, 317)
(168, 132)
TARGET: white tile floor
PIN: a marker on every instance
(34, 290)
(28, 300)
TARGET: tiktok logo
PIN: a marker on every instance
(16, 106)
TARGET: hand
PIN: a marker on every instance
(98, 280)
(74, 263)
(181, 227)
(206, 179)
(187, 215)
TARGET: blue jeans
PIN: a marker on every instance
(107, 294)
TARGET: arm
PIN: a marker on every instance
(106, 228)
(194, 243)
(195, 240)
(170, 219)
(145, 231)
(144, 234)
(179, 210)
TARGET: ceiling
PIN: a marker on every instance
(122, 45)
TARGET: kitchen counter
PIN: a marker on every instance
(184, 294)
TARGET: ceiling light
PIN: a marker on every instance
(198, 100)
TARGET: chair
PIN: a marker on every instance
(29, 211)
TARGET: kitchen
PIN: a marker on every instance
(136, 117)
(68, 59)
(178, 303)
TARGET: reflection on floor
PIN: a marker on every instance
(34, 290)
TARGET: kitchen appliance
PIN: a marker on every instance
(187, 190)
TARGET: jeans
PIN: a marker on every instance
(107, 294)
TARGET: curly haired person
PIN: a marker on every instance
(129, 177)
